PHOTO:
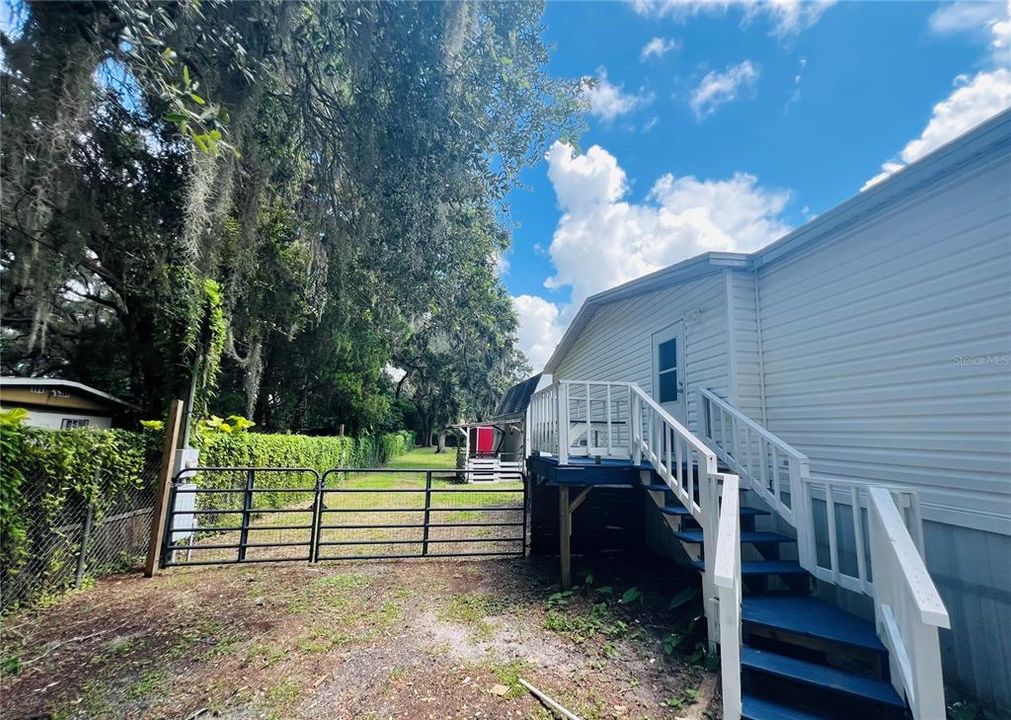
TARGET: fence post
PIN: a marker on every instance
(428, 511)
(161, 510)
(317, 508)
(247, 506)
(82, 557)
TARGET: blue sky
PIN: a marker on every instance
(722, 125)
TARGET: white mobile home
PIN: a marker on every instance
(870, 348)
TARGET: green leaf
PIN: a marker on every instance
(684, 597)
(197, 99)
(630, 596)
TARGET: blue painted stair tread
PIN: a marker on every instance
(753, 708)
(763, 567)
(682, 510)
(812, 618)
(820, 676)
(695, 536)
(663, 487)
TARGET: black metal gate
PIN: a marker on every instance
(253, 515)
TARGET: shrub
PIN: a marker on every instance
(45, 472)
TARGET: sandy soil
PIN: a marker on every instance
(373, 640)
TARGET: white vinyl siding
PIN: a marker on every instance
(746, 360)
(616, 344)
(862, 335)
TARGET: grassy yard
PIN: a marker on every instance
(373, 640)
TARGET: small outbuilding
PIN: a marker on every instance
(494, 449)
(61, 404)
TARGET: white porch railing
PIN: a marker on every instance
(862, 536)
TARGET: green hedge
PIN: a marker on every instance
(47, 479)
(43, 473)
(283, 451)
(318, 453)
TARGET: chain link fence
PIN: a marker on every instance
(69, 540)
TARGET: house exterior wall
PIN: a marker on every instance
(745, 390)
(616, 344)
(886, 352)
(886, 348)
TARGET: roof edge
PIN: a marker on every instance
(58, 382)
(956, 153)
(690, 269)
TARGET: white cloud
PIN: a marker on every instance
(964, 17)
(788, 17)
(540, 328)
(657, 47)
(501, 264)
(718, 88)
(609, 101)
(974, 99)
(990, 21)
(602, 240)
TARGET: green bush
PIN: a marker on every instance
(45, 471)
(242, 449)
(47, 479)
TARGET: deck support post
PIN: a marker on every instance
(566, 507)
(564, 537)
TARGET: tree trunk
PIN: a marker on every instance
(425, 421)
(441, 445)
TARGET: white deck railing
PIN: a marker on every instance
(866, 537)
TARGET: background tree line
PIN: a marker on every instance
(279, 199)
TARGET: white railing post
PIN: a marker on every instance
(709, 495)
(727, 579)
(527, 432)
(563, 423)
(635, 421)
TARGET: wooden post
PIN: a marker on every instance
(172, 428)
(564, 536)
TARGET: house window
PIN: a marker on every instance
(667, 370)
(39, 390)
(71, 423)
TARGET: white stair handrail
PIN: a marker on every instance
(757, 455)
(908, 610)
(727, 579)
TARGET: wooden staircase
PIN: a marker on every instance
(772, 664)
(801, 658)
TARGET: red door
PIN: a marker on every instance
(482, 440)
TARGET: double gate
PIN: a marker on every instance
(222, 515)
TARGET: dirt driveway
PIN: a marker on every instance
(416, 639)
